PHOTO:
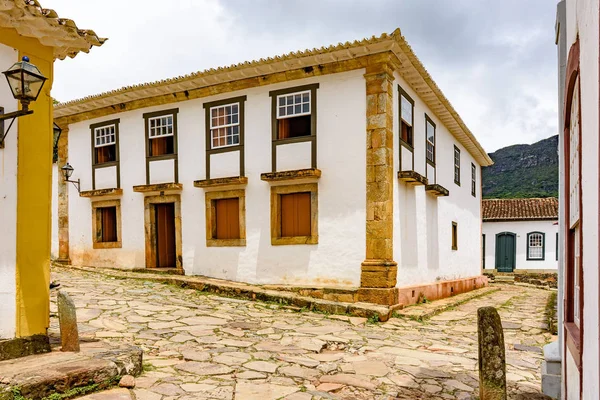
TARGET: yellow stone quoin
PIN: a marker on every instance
(30, 36)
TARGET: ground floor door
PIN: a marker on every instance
(505, 252)
(165, 235)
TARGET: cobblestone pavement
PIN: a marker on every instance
(209, 347)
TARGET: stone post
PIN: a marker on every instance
(63, 199)
(67, 318)
(492, 360)
(378, 271)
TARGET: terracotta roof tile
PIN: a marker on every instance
(520, 209)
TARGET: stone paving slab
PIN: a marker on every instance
(38, 376)
(252, 350)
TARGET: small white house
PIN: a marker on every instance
(343, 166)
(520, 234)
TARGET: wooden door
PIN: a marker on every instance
(505, 252)
(165, 235)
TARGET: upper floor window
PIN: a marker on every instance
(430, 139)
(407, 106)
(473, 180)
(161, 135)
(457, 165)
(535, 246)
(105, 144)
(225, 125)
(294, 115)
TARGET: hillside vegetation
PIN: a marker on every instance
(523, 170)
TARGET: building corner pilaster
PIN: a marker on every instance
(379, 270)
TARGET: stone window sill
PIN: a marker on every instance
(221, 182)
(437, 190)
(297, 174)
(159, 187)
(412, 178)
(101, 192)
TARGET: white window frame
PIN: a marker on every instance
(293, 104)
(404, 99)
(576, 287)
(430, 144)
(531, 247)
(108, 132)
(152, 129)
(215, 128)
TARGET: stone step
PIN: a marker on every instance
(96, 367)
(551, 383)
(504, 278)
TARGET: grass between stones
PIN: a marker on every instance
(551, 313)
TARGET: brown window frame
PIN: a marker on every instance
(117, 162)
(172, 156)
(211, 221)
(275, 141)
(573, 333)
(454, 235)
(427, 160)
(473, 180)
(97, 206)
(408, 144)
(241, 100)
(276, 220)
(456, 167)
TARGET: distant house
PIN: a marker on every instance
(520, 234)
(343, 166)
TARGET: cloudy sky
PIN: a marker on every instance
(495, 60)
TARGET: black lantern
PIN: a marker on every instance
(67, 171)
(25, 81)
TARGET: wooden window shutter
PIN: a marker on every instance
(295, 214)
(109, 224)
(227, 218)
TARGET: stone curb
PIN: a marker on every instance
(248, 292)
(431, 312)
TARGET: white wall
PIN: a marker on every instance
(423, 223)
(582, 21)
(54, 240)
(521, 229)
(335, 261)
(8, 205)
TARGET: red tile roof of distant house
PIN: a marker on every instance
(520, 209)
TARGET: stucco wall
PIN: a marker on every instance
(422, 227)
(8, 205)
(521, 229)
(582, 21)
(423, 223)
(340, 134)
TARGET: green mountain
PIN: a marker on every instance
(522, 171)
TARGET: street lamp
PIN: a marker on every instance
(25, 81)
(67, 172)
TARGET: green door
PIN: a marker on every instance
(505, 251)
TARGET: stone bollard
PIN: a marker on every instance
(69, 334)
(492, 359)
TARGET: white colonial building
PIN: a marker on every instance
(520, 235)
(344, 166)
(577, 39)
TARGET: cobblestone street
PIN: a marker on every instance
(203, 346)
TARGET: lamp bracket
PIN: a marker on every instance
(12, 115)
(76, 183)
